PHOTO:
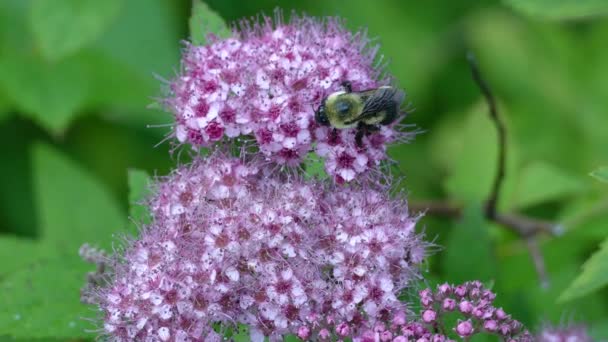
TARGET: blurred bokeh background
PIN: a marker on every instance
(76, 79)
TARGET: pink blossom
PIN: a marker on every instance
(569, 333)
(429, 316)
(464, 328)
(233, 242)
(267, 80)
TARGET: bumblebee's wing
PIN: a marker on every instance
(380, 100)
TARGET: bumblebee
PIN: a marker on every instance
(364, 110)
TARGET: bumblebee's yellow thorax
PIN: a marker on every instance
(342, 107)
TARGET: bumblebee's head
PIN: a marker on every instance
(320, 115)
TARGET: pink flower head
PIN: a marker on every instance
(464, 329)
(267, 80)
(474, 304)
(303, 332)
(232, 242)
(429, 316)
(572, 333)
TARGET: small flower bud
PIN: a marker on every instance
(429, 316)
(490, 325)
(465, 307)
(464, 328)
(449, 304)
(303, 332)
(343, 329)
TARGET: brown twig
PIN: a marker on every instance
(526, 227)
(502, 140)
(539, 261)
(519, 224)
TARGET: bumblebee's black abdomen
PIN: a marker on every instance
(391, 113)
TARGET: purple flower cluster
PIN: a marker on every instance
(471, 300)
(572, 333)
(267, 81)
(232, 242)
(474, 302)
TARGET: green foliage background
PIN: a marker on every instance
(76, 77)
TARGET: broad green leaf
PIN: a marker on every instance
(4, 107)
(16, 254)
(470, 154)
(50, 94)
(540, 182)
(593, 277)
(116, 72)
(139, 188)
(62, 27)
(204, 21)
(42, 300)
(142, 42)
(601, 174)
(73, 207)
(560, 9)
(17, 214)
(146, 38)
(42, 288)
(116, 85)
(12, 339)
(468, 253)
(586, 217)
(519, 290)
(529, 68)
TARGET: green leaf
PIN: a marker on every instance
(560, 9)
(593, 277)
(17, 214)
(4, 107)
(470, 153)
(50, 94)
(27, 250)
(143, 41)
(41, 287)
(315, 166)
(73, 207)
(536, 70)
(42, 300)
(519, 290)
(139, 187)
(601, 174)
(468, 253)
(204, 21)
(145, 37)
(62, 27)
(540, 182)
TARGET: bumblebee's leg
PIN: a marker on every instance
(348, 87)
(364, 130)
(359, 138)
(369, 129)
(361, 131)
(333, 135)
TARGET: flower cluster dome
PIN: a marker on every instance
(266, 82)
(232, 242)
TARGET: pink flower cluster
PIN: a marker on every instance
(474, 302)
(572, 333)
(267, 81)
(471, 300)
(232, 242)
